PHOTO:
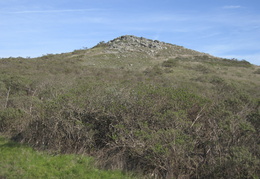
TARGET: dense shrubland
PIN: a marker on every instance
(175, 119)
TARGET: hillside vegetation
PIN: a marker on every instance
(20, 161)
(157, 109)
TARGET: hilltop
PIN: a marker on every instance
(138, 105)
(130, 43)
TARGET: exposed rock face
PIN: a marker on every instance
(130, 43)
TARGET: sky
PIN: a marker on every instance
(223, 28)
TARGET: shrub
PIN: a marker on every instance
(101, 44)
(154, 71)
(257, 71)
(13, 120)
(170, 63)
(236, 63)
(202, 69)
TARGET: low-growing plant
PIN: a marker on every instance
(170, 63)
(257, 71)
(33, 164)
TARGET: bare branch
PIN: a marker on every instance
(7, 96)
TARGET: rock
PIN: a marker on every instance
(153, 48)
(133, 43)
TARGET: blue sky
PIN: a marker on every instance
(224, 28)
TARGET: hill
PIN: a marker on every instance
(158, 109)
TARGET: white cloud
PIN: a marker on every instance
(51, 11)
(231, 7)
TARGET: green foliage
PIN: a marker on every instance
(10, 114)
(12, 120)
(155, 71)
(202, 69)
(19, 161)
(170, 63)
(101, 44)
(16, 84)
(236, 63)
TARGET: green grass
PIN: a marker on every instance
(19, 161)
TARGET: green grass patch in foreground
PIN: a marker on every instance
(19, 161)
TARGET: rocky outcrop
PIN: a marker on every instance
(133, 43)
(130, 43)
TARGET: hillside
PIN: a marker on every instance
(138, 105)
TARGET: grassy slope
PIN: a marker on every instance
(19, 161)
(158, 115)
